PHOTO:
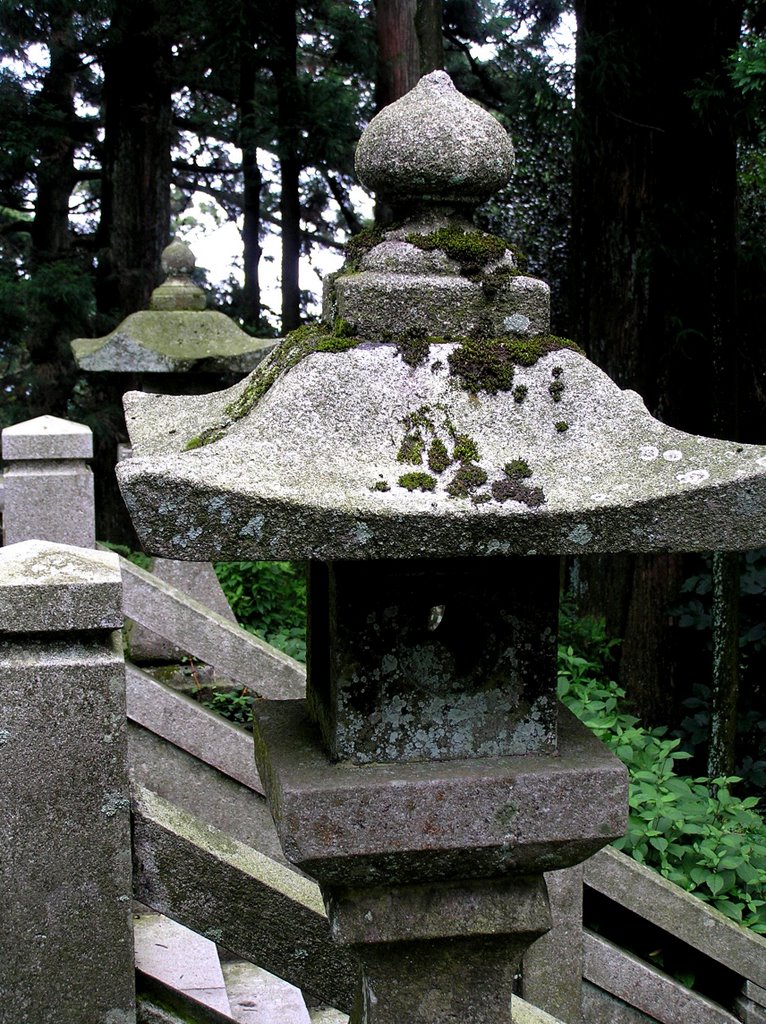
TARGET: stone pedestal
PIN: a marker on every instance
(65, 873)
(48, 486)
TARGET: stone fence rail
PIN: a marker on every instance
(206, 854)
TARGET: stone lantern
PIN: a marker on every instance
(430, 449)
(176, 344)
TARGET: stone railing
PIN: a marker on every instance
(72, 715)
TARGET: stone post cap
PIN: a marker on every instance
(47, 437)
(434, 145)
(55, 588)
(178, 290)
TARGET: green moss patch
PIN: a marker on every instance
(466, 449)
(488, 364)
(468, 478)
(417, 481)
(507, 489)
(473, 250)
(517, 469)
(360, 244)
(438, 456)
(561, 427)
(411, 449)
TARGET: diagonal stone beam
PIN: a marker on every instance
(244, 901)
(232, 651)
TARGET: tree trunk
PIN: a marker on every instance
(56, 311)
(285, 67)
(251, 172)
(410, 45)
(135, 210)
(652, 257)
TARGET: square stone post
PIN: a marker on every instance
(48, 487)
(65, 872)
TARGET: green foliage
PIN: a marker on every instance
(268, 599)
(136, 557)
(235, 704)
(694, 831)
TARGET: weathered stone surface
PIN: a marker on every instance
(376, 303)
(515, 905)
(180, 958)
(199, 581)
(216, 640)
(642, 988)
(436, 145)
(65, 872)
(295, 477)
(47, 437)
(258, 996)
(359, 825)
(654, 898)
(52, 588)
(178, 291)
(172, 341)
(426, 660)
(48, 489)
(552, 968)
(253, 906)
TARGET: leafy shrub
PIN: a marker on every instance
(694, 831)
(268, 599)
(235, 704)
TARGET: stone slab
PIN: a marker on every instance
(198, 579)
(644, 988)
(463, 818)
(212, 638)
(244, 901)
(48, 500)
(180, 958)
(552, 967)
(47, 437)
(54, 588)
(297, 476)
(258, 997)
(648, 894)
(192, 727)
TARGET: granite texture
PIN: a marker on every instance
(427, 660)
(52, 588)
(47, 437)
(434, 144)
(172, 341)
(399, 823)
(295, 477)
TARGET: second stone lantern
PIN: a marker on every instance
(430, 449)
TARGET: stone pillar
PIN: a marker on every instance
(553, 966)
(48, 487)
(65, 872)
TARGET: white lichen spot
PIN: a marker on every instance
(761, 461)
(114, 802)
(580, 535)
(517, 322)
(694, 476)
(253, 528)
(600, 497)
(648, 453)
(194, 532)
(672, 455)
(363, 533)
(4, 737)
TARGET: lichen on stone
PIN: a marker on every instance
(417, 481)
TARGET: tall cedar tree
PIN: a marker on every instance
(652, 263)
(135, 202)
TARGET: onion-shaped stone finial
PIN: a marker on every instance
(178, 290)
(435, 146)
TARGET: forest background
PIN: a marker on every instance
(639, 195)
